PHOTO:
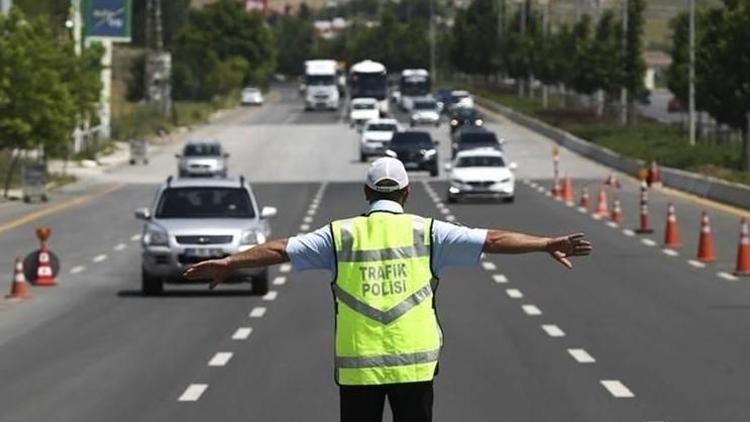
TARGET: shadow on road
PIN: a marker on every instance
(187, 293)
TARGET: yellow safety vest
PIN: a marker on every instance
(386, 328)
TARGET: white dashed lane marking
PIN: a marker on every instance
(648, 242)
(450, 218)
(100, 258)
(135, 237)
(242, 333)
(278, 281)
(307, 219)
(581, 356)
(617, 389)
(514, 293)
(120, 246)
(445, 211)
(258, 312)
(193, 392)
(285, 268)
(220, 359)
(531, 310)
(670, 252)
(696, 264)
(311, 211)
(553, 330)
(612, 224)
(77, 269)
(304, 227)
(628, 232)
(727, 276)
(270, 296)
(489, 266)
(500, 278)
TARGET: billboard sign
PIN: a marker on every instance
(108, 19)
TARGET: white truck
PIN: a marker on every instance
(321, 89)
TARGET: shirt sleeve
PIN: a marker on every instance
(312, 251)
(454, 245)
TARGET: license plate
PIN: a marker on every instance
(411, 165)
(204, 252)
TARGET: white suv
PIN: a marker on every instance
(376, 137)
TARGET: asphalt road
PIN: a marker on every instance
(630, 334)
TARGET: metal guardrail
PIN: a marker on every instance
(706, 187)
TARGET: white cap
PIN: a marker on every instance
(387, 174)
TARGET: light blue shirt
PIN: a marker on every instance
(452, 245)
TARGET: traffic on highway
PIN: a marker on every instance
(367, 237)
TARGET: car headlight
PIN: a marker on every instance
(428, 152)
(457, 182)
(252, 237)
(506, 180)
(391, 153)
(454, 122)
(155, 236)
(479, 122)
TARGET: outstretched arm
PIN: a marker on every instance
(269, 253)
(560, 248)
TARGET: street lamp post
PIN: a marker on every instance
(691, 74)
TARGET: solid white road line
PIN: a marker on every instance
(220, 359)
(278, 281)
(696, 264)
(450, 218)
(100, 258)
(193, 392)
(242, 333)
(727, 276)
(553, 330)
(628, 232)
(648, 242)
(136, 237)
(78, 269)
(500, 278)
(258, 312)
(531, 310)
(514, 293)
(489, 266)
(581, 356)
(285, 268)
(670, 252)
(270, 296)
(120, 246)
(617, 389)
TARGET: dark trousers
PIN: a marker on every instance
(410, 402)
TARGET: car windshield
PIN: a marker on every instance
(418, 139)
(465, 113)
(319, 80)
(381, 127)
(251, 90)
(363, 106)
(205, 202)
(478, 138)
(373, 85)
(480, 161)
(202, 150)
(425, 105)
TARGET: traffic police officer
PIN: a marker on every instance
(385, 265)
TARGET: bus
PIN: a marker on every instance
(413, 83)
(369, 79)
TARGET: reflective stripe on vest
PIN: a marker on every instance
(386, 328)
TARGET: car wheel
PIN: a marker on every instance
(151, 285)
(362, 158)
(452, 199)
(132, 162)
(260, 283)
(509, 200)
(434, 171)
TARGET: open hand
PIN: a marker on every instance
(214, 269)
(562, 248)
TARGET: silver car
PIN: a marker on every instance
(202, 159)
(192, 220)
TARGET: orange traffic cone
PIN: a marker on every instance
(706, 241)
(654, 175)
(18, 288)
(672, 232)
(617, 216)
(568, 191)
(743, 251)
(44, 276)
(645, 226)
(583, 203)
(601, 207)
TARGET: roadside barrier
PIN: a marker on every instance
(583, 203)
(743, 251)
(706, 241)
(645, 219)
(18, 289)
(672, 231)
(602, 209)
(617, 215)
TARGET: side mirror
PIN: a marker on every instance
(436, 142)
(226, 155)
(513, 166)
(268, 212)
(143, 214)
(448, 166)
(178, 156)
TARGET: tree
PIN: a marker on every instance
(634, 67)
(677, 74)
(474, 38)
(295, 37)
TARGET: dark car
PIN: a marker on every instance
(473, 137)
(462, 116)
(416, 150)
(444, 98)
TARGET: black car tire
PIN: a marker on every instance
(151, 286)
(452, 199)
(509, 200)
(260, 283)
(434, 171)
(362, 157)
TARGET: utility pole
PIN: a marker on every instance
(158, 62)
(691, 74)
(433, 67)
(545, 36)
(624, 89)
(522, 28)
(5, 6)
